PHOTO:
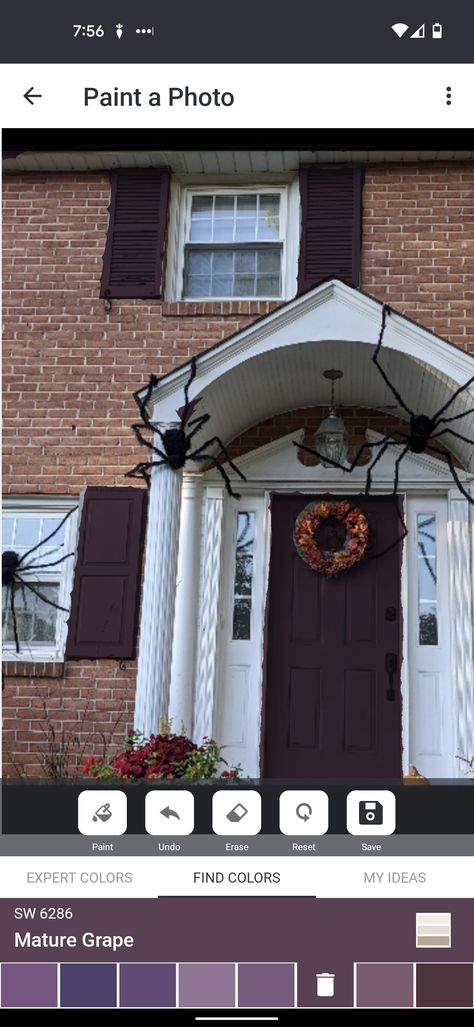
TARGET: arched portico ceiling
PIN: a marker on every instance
(276, 365)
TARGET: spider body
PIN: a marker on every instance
(421, 430)
(10, 564)
(176, 447)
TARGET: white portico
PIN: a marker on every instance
(190, 666)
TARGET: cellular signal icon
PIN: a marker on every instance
(400, 29)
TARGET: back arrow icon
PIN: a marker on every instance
(31, 96)
(169, 813)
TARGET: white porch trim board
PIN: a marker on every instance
(461, 562)
(158, 600)
(208, 619)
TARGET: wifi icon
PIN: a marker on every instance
(400, 29)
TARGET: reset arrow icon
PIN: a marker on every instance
(31, 96)
(169, 813)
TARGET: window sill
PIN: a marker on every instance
(33, 669)
(220, 308)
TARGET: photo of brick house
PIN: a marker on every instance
(125, 258)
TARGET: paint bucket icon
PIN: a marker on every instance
(325, 985)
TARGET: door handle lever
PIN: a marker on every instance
(391, 667)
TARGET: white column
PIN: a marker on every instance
(461, 560)
(183, 664)
(158, 600)
(209, 613)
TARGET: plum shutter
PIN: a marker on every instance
(133, 258)
(331, 201)
(105, 597)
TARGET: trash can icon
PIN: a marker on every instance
(325, 985)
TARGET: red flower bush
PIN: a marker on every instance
(160, 757)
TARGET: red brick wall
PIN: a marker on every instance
(70, 370)
(418, 244)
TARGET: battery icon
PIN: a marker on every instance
(437, 30)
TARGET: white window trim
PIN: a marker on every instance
(178, 231)
(49, 506)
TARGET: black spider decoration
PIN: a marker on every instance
(176, 442)
(14, 566)
(423, 430)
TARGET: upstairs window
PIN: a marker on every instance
(234, 246)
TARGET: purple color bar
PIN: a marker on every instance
(147, 985)
(385, 985)
(447, 985)
(88, 985)
(266, 985)
(207, 985)
(29, 986)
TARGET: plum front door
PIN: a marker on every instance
(332, 704)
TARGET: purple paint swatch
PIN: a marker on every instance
(444, 984)
(88, 985)
(29, 986)
(382, 985)
(147, 985)
(207, 985)
(266, 984)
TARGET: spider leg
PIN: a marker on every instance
(396, 542)
(45, 540)
(209, 442)
(198, 423)
(385, 444)
(397, 467)
(205, 458)
(375, 357)
(143, 403)
(14, 621)
(449, 431)
(192, 375)
(136, 428)
(462, 388)
(39, 566)
(44, 598)
(456, 417)
(140, 470)
(447, 455)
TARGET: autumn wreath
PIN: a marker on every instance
(331, 537)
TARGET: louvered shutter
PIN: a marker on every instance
(105, 598)
(133, 258)
(331, 202)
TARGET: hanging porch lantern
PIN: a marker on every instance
(331, 436)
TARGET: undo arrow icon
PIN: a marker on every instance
(31, 96)
(169, 813)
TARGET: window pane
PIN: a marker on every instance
(245, 261)
(427, 580)
(7, 532)
(27, 533)
(198, 286)
(244, 286)
(243, 576)
(35, 619)
(268, 261)
(267, 286)
(245, 230)
(201, 231)
(222, 262)
(269, 217)
(199, 262)
(246, 204)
